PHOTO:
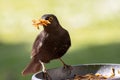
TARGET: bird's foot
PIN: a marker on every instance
(67, 69)
(46, 76)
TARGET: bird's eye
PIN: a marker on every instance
(50, 18)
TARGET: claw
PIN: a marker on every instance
(67, 69)
(46, 76)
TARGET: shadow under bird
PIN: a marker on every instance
(52, 43)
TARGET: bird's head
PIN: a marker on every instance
(46, 20)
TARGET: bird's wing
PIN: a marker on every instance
(37, 44)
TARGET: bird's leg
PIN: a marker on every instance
(45, 74)
(66, 67)
(43, 67)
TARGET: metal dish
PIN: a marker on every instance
(103, 69)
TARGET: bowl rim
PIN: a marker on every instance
(91, 64)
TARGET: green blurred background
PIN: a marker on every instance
(94, 27)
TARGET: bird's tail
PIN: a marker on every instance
(32, 67)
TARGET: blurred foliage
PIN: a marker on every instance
(94, 27)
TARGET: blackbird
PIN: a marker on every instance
(52, 43)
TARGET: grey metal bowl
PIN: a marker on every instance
(82, 69)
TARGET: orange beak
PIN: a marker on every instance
(39, 22)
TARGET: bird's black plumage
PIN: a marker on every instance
(52, 43)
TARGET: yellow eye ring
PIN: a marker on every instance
(50, 18)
